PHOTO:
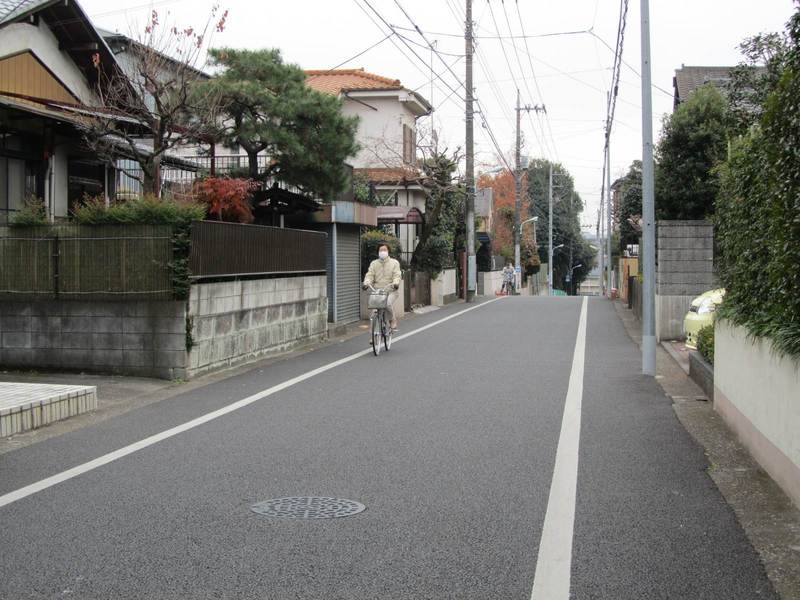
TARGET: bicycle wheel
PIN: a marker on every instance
(387, 333)
(376, 334)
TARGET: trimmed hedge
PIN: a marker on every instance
(147, 210)
(758, 217)
(705, 343)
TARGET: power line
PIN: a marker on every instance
(378, 43)
(422, 60)
(535, 80)
(400, 49)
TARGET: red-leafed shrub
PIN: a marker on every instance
(227, 199)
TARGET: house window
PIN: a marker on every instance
(409, 145)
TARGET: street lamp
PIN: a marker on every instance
(518, 276)
(571, 270)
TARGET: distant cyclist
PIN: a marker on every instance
(509, 279)
(384, 272)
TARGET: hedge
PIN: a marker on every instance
(758, 218)
(705, 343)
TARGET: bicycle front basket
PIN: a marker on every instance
(378, 300)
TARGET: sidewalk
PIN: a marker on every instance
(768, 517)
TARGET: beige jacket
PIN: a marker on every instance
(383, 273)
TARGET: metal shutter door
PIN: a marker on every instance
(348, 276)
(329, 269)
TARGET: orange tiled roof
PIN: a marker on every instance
(337, 81)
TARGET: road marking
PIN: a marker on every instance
(554, 563)
(48, 482)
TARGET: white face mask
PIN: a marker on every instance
(383, 254)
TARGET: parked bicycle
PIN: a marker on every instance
(379, 321)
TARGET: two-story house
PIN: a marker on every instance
(387, 135)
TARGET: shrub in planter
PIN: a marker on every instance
(32, 214)
(147, 210)
(705, 343)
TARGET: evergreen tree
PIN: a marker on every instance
(266, 107)
(693, 142)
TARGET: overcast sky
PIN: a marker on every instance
(568, 73)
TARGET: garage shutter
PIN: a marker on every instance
(329, 269)
(348, 276)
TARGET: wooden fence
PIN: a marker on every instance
(137, 261)
(86, 261)
(234, 250)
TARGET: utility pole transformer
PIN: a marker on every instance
(470, 161)
(518, 187)
(648, 206)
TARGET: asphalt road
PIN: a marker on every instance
(450, 442)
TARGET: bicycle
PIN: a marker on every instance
(379, 324)
(508, 288)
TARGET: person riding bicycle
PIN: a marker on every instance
(509, 278)
(384, 272)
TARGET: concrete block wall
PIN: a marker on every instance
(489, 282)
(237, 321)
(222, 324)
(443, 288)
(131, 338)
(757, 392)
(684, 270)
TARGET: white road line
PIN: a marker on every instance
(154, 439)
(554, 563)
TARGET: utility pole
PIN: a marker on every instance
(518, 188)
(470, 160)
(550, 231)
(648, 206)
(517, 201)
(601, 248)
(609, 230)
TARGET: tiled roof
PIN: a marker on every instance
(390, 175)
(345, 80)
(688, 79)
(13, 8)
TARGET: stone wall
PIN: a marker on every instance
(685, 269)
(238, 321)
(222, 324)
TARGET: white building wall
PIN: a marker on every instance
(19, 37)
(380, 132)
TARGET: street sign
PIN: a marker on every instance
(518, 269)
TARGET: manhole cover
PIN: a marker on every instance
(307, 507)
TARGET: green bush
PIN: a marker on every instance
(758, 217)
(370, 242)
(705, 343)
(147, 210)
(32, 214)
